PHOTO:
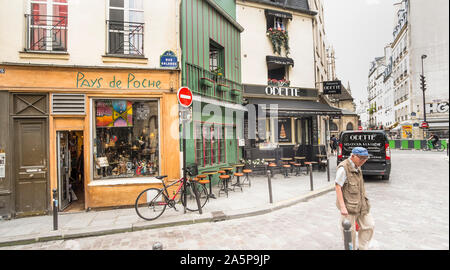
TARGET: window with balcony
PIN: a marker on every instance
(216, 59)
(47, 26)
(125, 27)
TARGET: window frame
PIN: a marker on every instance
(126, 25)
(49, 46)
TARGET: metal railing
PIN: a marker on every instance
(208, 84)
(125, 38)
(46, 33)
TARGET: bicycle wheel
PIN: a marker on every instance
(191, 205)
(150, 204)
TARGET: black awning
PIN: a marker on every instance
(279, 60)
(290, 107)
(279, 14)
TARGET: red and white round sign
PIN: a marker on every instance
(184, 96)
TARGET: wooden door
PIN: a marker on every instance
(31, 158)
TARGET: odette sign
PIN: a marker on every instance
(184, 96)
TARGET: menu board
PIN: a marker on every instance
(284, 130)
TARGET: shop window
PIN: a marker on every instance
(125, 27)
(47, 25)
(126, 140)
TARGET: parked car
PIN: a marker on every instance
(376, 142)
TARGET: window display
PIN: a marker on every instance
(126, 142)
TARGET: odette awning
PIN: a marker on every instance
(288, 108)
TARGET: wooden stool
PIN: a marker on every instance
(286, 170)
(271, 166)
(297, 167)
(310, 163)
(225, 178)
(238, 183)
(247, 172)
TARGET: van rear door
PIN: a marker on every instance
(374, 143)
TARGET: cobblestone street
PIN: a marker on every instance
(411, 211)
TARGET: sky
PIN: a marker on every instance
(358, 30)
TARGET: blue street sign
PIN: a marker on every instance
(169, 59)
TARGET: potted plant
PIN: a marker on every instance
(279, 39)
(282, 82)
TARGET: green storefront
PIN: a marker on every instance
(210, 40)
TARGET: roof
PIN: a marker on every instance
(301, 6)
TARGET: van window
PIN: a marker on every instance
(370, 141)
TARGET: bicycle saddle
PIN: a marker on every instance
(160, 177)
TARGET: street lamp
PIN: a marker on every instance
(422, 85)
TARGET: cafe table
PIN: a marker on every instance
(210, 174)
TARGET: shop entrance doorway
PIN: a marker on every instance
(70, 160)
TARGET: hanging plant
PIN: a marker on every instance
(279, 39)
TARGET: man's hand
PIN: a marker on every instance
(344, 211)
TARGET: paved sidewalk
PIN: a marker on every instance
(251, 201)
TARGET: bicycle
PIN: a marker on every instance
(152, 202)
(430, 147)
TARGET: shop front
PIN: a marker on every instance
(291, 120)
(96, 135)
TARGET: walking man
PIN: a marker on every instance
(351, 197)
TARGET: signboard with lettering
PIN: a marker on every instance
(169, 60)
(332, 88)
(441, 107)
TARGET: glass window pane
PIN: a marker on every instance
(126, 139)
(116, 3)
(136, 4)
(38, 13)
(116, 15)
(60, 1)
(137, 16)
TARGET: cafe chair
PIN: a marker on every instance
(224, 180)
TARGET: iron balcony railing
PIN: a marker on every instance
(125, 38)
(209, 84)
(46, 33)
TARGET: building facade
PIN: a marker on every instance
(419, 47)
(88, 106)
(280, 54)
(211, 68)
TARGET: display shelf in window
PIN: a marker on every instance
(126, 139)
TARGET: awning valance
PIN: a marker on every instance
(279, 14)
(279, 60)
(294, 108)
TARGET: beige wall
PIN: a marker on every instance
(87, 33)
(255, 46)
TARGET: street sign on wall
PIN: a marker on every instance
(332, 88)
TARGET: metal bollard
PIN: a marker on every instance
(269, 182)
(328, 169)
(55, 210)
(347, 234)
(311, 177)
(157, 246)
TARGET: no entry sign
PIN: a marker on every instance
(184, 96)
